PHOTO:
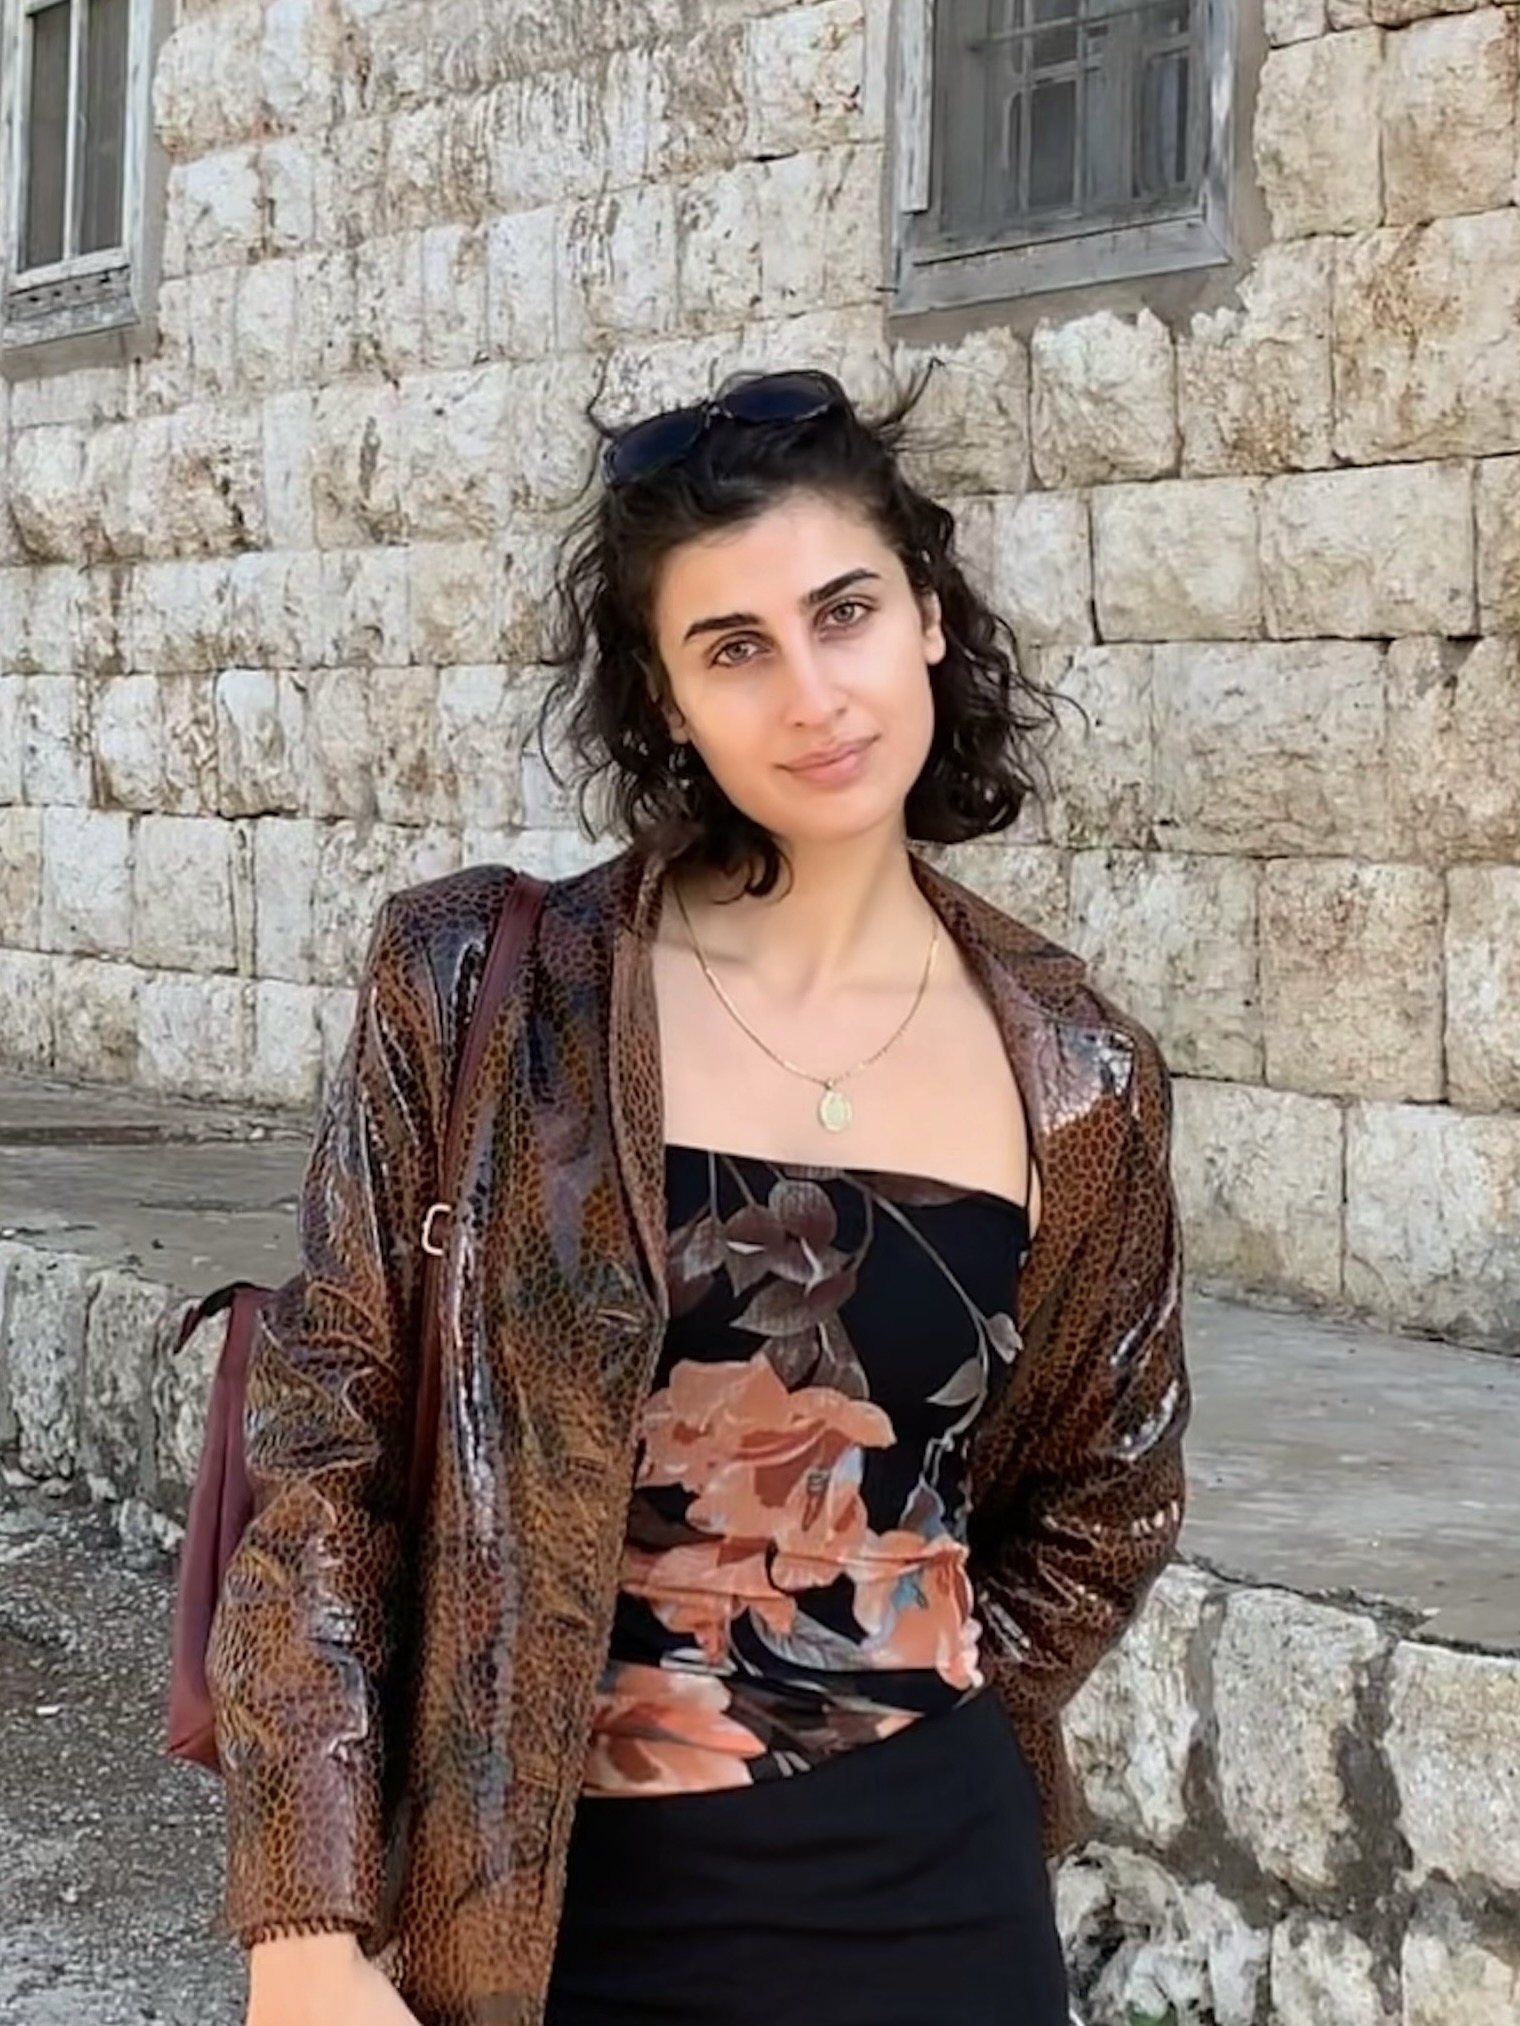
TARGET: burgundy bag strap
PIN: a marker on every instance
(509, 942)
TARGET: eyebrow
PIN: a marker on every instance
(723, 622)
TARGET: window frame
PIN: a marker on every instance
(933, 271)
(52, 313)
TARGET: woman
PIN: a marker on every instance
(813, 1380)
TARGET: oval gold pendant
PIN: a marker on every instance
(834, 1110)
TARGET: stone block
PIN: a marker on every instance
(288, 173)
(276, 618)
(1453, 1275)
(26, 1008)
(454, 287)
(1183, 1952)
(719, 231)
(1499, 544)
(47, 1300)
(616, 268)
(1483, 987)
(300, 57)
(1294, 21)
(1449, 117)
(357, 464)
(179, 617)
(336, 1009)
(55, 742)
(285, 1067)
(549, 446)
(1324, 1975)
(1031, 882)
(213, 498)
(21, 877)
(95, 1019)
(1041, 575)
(288, 430)
(179, 1393)
(697, 91)
(1133, 1727)
(187, 707)
(1104, 401)
(1318, 137)
(364, 600)
(1453, 1746)
(837, 257)
(1174, 940)
(11, 718)
(1399, 13)
(1288, 1671)
(1259, 1176)
(261, 727)
(284, 879)
(183, 906)
(390, 308)
(405, 752)
(463, 434)
(970, 431)
(263, 325)
(1451, 1979)
(455, 602)
(87, 881)
(481, 731)
(341, 741)
(125, 1316)
(1452, 709)
(195, 1035)
(805, 70)
(1254, 383)
(1102, 764)
(1427, 340)
(1370, 554)
(1352, 978)
(358, 866)
(127, 729)
(1177, 560)
(520, 284)
(1266, 749)
(46, 493)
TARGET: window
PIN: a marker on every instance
(80, 170)
(1044, 144)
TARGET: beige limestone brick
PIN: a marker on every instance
(215, 490)
(1444, 1274)
(287, 171)
(178, 616)
(44, 1358)
(718, 225)
(55, 741)
(11, 712)
(1041, 575)
(1177, 560)
(219, 199)
(1294, 21)
(1186, 1948)
(1174, 939)
(284, 883)
(300, 55)
(455, 275)
(805, 74)
(356, 466)
(1451, 1979)
(835, 256)
(195, 1035)
(1369, 554)
(1352, 978)
(1427, 340)
(1104, 400)
(288, 439)
(53, 620)
(263, 319)
(970, 430)
(21, 877)
(124, 1319)
(326, 315)
(1483, 987)
(1399, 13)
(1453, 706)
(1133, 1726)
(95, 1016)
(1499, 544)
(1102, 763)
(1270, 748)
(26, 1009)
(1317, 134)
(1031, 882)
(195, 105)
(1449, 87)
(525, 577)
(520, 257)
(364, 600)
(1259, 1178)
(1325, 1975)
(46, 485)
(424, 183)
(549, 464)
(275, 615)
(481, 730)
(341, 740)
(183, 875)
(455, 602)
(187, 712)
(696, 90)
(1289, 1670)
(617, 267)
(260, 722)
(284, 1067)
(87, 881)
(359, 866)
(460, 431)
(1453, 1747)
(127, 729)
(212, 335)
(336, 1009)
(405, 743)
(1254, 382)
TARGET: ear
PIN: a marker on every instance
(935, 645)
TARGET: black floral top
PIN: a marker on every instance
(794, 1580)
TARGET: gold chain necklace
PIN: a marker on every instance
(835, 1110)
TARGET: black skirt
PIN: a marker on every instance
(900, 1884)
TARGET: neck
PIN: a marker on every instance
(843, 913)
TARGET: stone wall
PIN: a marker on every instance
(271, 599)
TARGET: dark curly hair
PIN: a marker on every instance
(608, 679)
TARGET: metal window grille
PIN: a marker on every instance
(74, 133)
(1060, 116)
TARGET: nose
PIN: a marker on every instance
(813, 695)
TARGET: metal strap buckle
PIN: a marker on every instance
(430, 1244)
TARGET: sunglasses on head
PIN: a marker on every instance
(653, 446)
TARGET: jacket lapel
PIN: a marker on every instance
(638, 1099)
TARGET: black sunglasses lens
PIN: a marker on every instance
(782, 397)
(650, 446)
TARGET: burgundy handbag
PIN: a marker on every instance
(221, 1504)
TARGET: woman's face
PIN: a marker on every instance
(797, 656)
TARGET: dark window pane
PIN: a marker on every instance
(1053, 146)
(47, 134)
(105, 125)
(1164, 127)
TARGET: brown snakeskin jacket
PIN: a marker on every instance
(403, 1722)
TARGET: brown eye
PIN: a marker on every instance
(849, 612)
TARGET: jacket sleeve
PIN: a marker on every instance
(305, 1633)
(1091, 1499)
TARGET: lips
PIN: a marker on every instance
(830, 759)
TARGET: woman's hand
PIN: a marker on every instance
(320, 1980)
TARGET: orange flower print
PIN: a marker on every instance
(701, 1589)
(662, 1730)
(914, 1602)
